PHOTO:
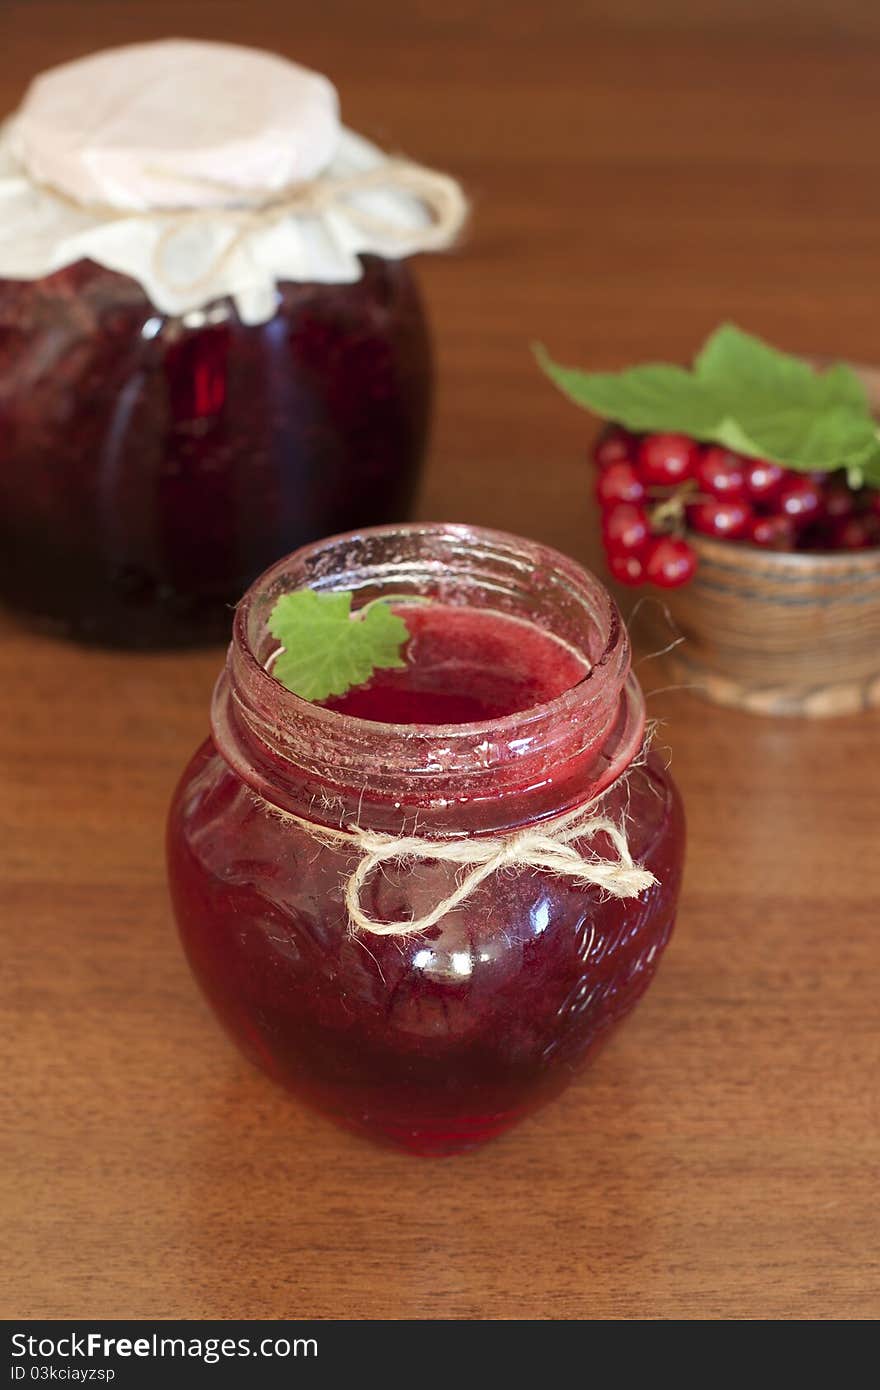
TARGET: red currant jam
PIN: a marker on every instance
(153, 467)
(464, 665)
(437, 1040)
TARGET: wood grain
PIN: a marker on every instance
(634, 181)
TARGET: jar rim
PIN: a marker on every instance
(301, 755)
(320, 713)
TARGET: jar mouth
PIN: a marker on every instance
(289, 749)
(272, 582)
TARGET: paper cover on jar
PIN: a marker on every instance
(205, 170)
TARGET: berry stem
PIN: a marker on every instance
(669, 514)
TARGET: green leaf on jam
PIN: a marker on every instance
(744, 395)
(327, 649)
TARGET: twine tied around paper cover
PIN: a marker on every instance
(439, 194)
(549, 846)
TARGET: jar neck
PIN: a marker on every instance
(475, 778)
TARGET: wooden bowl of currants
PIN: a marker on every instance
(768, 574)
(773, 582)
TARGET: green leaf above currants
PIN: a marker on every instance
(744, 395)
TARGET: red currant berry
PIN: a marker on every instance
(626, 567)
(619, 482)
(667, 459)
(872, 501)
(764, 480)
(727, 521)
(838, 500)
(615, 445)
(625, 527)
(852, 533)
(772, 532)
(720, 473)
(670, 562)
(801, 499)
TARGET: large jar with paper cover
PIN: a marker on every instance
(212, 348)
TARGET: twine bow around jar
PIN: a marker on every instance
(439, 194)
(46, 229)
(549, 846)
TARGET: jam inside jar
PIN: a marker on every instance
(153, 466)
(441, 1038)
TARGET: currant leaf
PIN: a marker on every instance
(744, 395)
(326, 649)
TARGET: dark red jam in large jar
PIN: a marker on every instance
(152, 466)
(515, 711)
(212, 348)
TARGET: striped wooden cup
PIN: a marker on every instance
(776, 632)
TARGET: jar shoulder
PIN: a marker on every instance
(84, 294)
(223, 830)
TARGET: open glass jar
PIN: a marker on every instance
(436, 1039)
(199, 372)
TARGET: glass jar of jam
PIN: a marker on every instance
(515, 707)
(153, 466)
(212, 348)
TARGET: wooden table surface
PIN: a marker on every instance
(634, 181)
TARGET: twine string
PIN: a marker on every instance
(549, 846)
(440, 195)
